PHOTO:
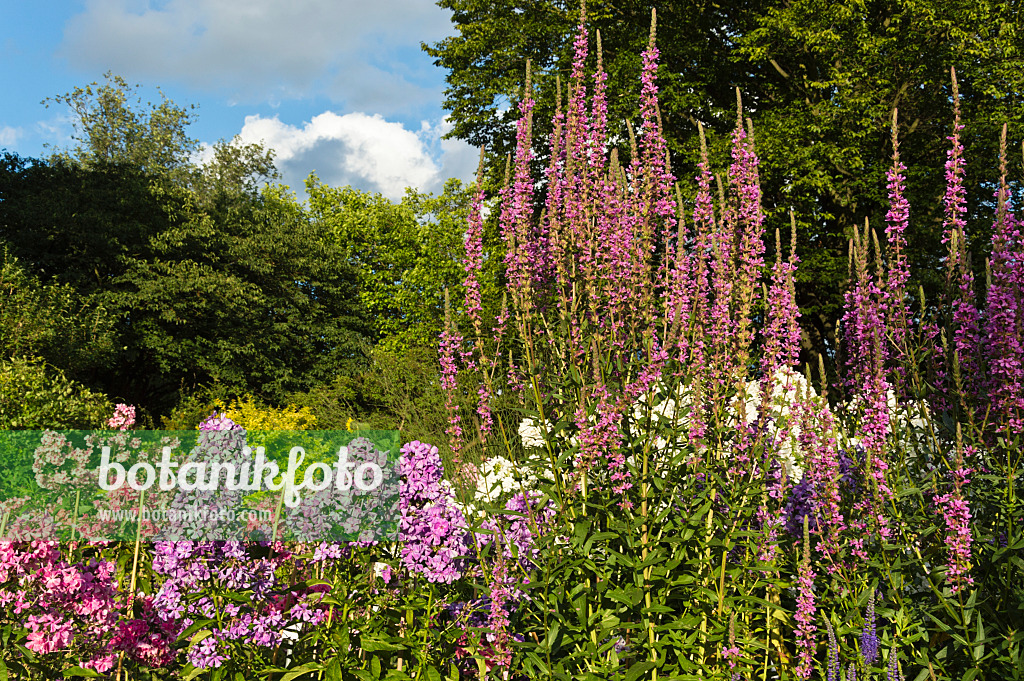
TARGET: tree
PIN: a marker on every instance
(51, 321)
(819, 79)
(405, 254)
(211, 277)
(112, 127)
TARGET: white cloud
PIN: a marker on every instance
(9, 135)
(352, 51)
(366, 152)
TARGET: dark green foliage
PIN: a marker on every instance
(51, 321)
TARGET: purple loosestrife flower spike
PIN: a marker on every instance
(805, 629)
(864, 337)
(451, 343)
(956, 514)
(897, 221)
(748, 224)
(1004, 323)
(782, 334)
(959, 277)
(473, 266)
(517, 213)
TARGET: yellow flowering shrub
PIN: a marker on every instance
(251, 414)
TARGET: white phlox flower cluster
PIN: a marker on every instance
(531, 434)
(667, 411)
(787, 388)
(499, 479)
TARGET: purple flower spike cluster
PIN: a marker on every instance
(805, 611)
(965, 320)
(956, 515)
(1004, 326)
(432, 529)
(898, 271)
(869, 636)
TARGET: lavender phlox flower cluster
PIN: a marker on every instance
(432, 530)
(192, 567)
(204, 512)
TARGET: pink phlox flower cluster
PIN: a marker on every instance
(74, 607)
(123, 418)
(218, 421)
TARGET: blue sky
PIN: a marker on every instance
(339, 87)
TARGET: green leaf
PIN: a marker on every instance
(638, 669)
(307, 668)
(372, 645)
(81, 671)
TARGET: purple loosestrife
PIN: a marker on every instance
(782, 333)
(451, 342)
(959, 277)
(864, 337)
(956, 515)
(602, 438)
(805, 610)
(517, 215)
(654, 204)
(499, 624)
(1004, 318)
(898, 272)
(818, 444)
(473, 266)
(746, 219)
(705, 238)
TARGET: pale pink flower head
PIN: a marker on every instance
(123, 418)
